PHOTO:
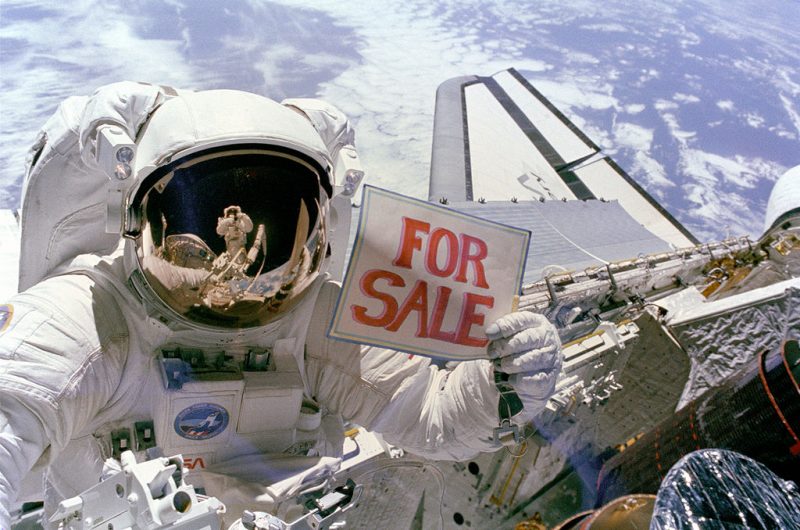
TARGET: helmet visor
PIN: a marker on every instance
(229, 239)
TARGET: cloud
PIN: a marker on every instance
(683, 137)
(719, 188)
(585, 93)
(651, 172)
(634, 108)
(791, 110)
(72, 48)
(711, 169)
(646, 169)
(390, 93)
(754, 119)
(685, 98)
(607, 28)
(382, 61)
(663, 104)
(69, 49)
(726, 104)
(633, 136)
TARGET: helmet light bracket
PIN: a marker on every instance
(115, 152)
(348, 164)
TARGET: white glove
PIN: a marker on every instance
(526, 346)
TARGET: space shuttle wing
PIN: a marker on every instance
(497, 138)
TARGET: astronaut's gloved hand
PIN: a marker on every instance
(527, 356)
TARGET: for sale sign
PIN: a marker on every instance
(427, 279)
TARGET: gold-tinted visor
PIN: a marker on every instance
(230, 239)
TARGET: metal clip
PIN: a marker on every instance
(507, 433)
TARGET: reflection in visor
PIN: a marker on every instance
(229, 239)
(218, 287)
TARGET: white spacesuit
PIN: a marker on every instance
(204, 330)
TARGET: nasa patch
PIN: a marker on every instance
(201, 421)
(6, 312)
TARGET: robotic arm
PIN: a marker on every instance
(147, 495)
(152, 495)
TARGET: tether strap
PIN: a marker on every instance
(509, 404)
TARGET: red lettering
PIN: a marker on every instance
(392, 316)
(481, 251)
(367, 285)
(462, 251)
(192, 463)
(431, 261)
(469, 318)
(410, 241)
(435, 331)
(417, 300)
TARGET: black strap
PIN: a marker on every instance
(509, 404)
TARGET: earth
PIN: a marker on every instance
(699, 100)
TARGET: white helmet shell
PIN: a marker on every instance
(194, 121)
(226, 216)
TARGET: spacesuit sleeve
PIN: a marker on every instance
(19, 450)
(438, 413)
(61, 358)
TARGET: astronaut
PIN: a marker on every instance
(234, 226)
(110, 343)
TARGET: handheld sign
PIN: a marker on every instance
(426, 279)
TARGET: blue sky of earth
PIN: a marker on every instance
(698, 100)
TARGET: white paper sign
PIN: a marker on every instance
(426, 279)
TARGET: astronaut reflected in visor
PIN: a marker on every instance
(229, 239)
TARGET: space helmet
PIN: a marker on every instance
(226, 216)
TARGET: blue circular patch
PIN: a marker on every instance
(6, 312)
(201, 421)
